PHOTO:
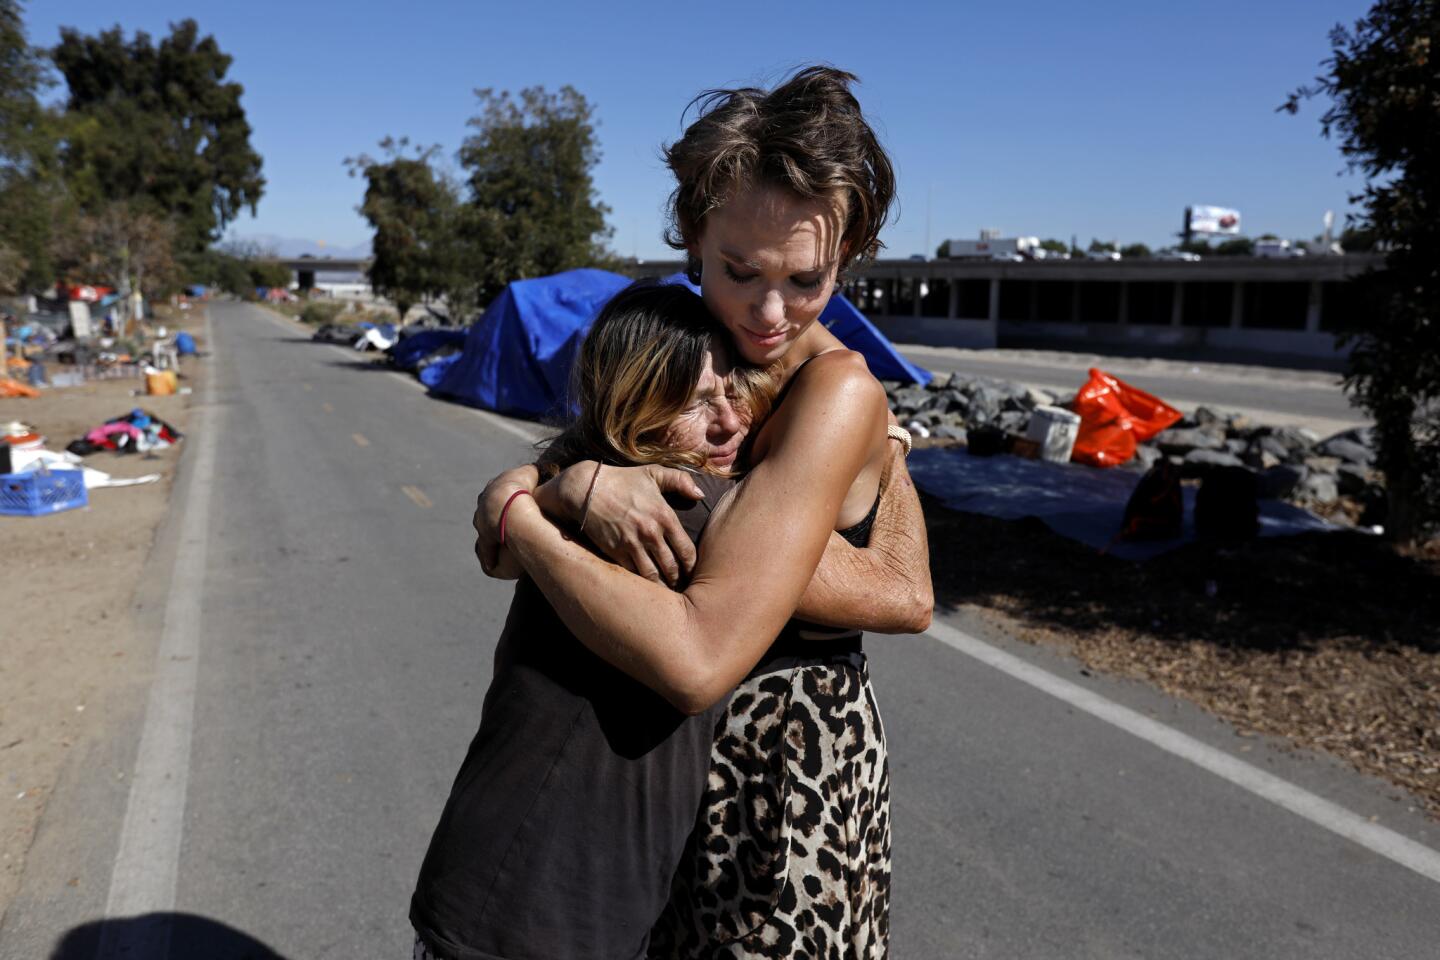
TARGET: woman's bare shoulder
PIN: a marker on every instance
(837, 372)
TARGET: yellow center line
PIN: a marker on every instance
(417, 496)
(360, 440)
(327, 408)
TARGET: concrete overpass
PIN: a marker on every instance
(1221, 308)
(305, 268)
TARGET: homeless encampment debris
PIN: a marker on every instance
(136, 431)
(1294, 471)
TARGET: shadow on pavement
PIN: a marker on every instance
(144, 938)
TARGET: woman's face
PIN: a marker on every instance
(710, 423)
(768, 263)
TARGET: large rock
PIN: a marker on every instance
(1318, 488)
(1014, 421)
(1274, 446)
(984, 405)
(1298, 441)
(1038, 398)
(1348, 450)
(1181, 442)
(909, 399)
(1218, 422)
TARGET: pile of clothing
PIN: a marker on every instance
(135, 432)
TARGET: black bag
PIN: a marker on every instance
(1227, 508)
(1156, 508)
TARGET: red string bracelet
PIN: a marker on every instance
(506, 509)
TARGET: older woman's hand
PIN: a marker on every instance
(628, 519)
(494, 559)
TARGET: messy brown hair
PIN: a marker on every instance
(807, 135)
(635, 374)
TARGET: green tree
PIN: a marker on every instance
(30, 199)
(943, 251)
(420, 244)
(1054, 246)
(1382, 81)
(1234, 247)
(160, 127)
(1100, 246)
(1136, 251)
(1355, 239)
(528, 165)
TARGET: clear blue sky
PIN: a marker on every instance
(1095, 119)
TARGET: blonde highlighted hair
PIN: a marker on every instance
(635, 374)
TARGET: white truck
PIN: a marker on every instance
(1277, 249)
(994, 248)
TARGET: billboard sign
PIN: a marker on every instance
(1217, 220)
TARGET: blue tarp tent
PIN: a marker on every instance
(851, 328)
(518, 355)
(409, 351)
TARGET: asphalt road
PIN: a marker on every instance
(1267, 394)
(344, 644)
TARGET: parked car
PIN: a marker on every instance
(1173, 254)
(1102, 255)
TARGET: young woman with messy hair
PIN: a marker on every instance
(570, 813)
(777, 192)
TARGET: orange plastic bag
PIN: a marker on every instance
(1114, 417)
(161, 383)
(14, 388)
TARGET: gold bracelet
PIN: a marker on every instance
(901, 434)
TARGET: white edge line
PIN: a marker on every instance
(143, 878)
(1319, 811)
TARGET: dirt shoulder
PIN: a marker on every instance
(1327, 640)
(67, 587)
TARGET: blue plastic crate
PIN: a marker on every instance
(36, 494)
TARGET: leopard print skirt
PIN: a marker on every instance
(791, 853)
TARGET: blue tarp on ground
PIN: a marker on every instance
(851, 328)
(1083, 503)
(432, 374)
(409, 351)
(518, 355)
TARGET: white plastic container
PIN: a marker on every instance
(1055, 429)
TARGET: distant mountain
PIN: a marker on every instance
(295, 247)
